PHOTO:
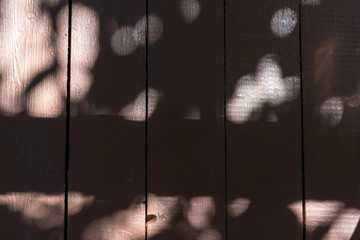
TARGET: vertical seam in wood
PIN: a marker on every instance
(146, 111)
(225, 142)
(67, 134)
(302, 130)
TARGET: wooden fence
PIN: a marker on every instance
(179, 119)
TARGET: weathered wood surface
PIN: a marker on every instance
(32, 123)
(330, 49)
(186, 158)
(264, 119)
(107, 125)
(177, 154)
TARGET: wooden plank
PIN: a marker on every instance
(32, 120)
(330, 49)
(263, 125)
(186, 181)
(107, 125)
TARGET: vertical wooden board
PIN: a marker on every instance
(107, 125)
(330, 49)
(186, 158)
(263, 125)
(32, 121)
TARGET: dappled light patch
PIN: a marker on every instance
(331, 110)
(200, 211)
(83, 80)
(164, 208)
(46, 100)
(190, 10)
(318, 213)
(23, 56)
(161, 216)
(266, 86)
(155, 31)
(34, 84)
(77, 201)
(311, 2)
(135, 111)
(84, 49)
(45, 210)
(123, 224)
(238, 206)
(130, 223)
(125, 40)
(344, 225)
(283, 22)
(154, 98)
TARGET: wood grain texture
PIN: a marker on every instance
(32, 122)
(186, 181)
(263, 119)
(330, 49)
(107, 125)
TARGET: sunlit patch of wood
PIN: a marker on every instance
(123, 41)
(199, 212)
(318, 213)
(123, 224)
(135, 111)
(155, 31)
(311, 2)
(126, 39)
(332, 110)
(45, 99)
(238, 206)
(266, 86)
(84, 48)
(25, 44)
(190, 10)
(26, 35)
(165, 208)
(130, 223)
(283, 22)
(344, 225)
(45, 210)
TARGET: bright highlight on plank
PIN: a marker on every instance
(190, 10)
(332, 110)
(125, 40)
(266, 86)
(283, 22)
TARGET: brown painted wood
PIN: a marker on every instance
(263, 125)
(32, 121)
(185, 185)
(186, 181)
(107, 125)
(330, 47)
